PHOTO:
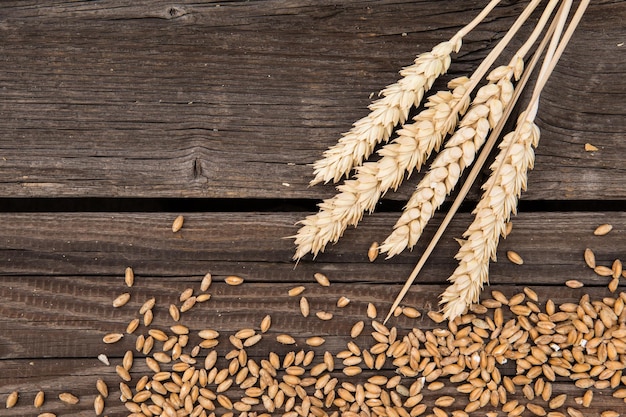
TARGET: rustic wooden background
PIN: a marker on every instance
(115, 117)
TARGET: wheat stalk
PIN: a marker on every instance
(393, 108)
(414, 144)
(405, 153)
(446, 169)
(461, 148)
(505, 184)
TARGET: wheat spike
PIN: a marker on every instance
(393, 108)
(491, 215)
(385, 113)
(460, 150)
(505, 184)
(407, 152)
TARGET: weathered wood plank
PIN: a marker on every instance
(64, 270)
(237, 99)
(43, 322)
(254, 245)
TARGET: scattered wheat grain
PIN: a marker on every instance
(343, 301)
(603, 229)
(68, 398)
(324, 315)
(177, 224)
(321, 279)
(371, 311)
(112, 337)
(121, 300)
(514, 257)
(572, 283)
(234, 280)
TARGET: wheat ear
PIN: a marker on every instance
(502, 190)
(461, 148)
(405, 153)
(393, 108)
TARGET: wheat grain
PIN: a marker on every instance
(234, 280)
(68, 398)
(121, 300)
(129, 277)
(177, 224)
(112, 337)
(603, 229)
(39, 399)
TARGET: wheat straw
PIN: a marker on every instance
(398, 98)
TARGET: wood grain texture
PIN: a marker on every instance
(156, 99)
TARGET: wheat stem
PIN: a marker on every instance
(357, 144)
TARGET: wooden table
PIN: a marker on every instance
(116, 117)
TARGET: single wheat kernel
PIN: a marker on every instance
(208, 334)
(148, 305)
(12, 399)
(39, 399)
(201, 298)
(122, 373)
(590, 258)
(46, 415)
(121, 300)
(324, 315)
(445, 401)
(127, 362)
(371, 311)
(132, 326)
(435, 386)
(158, 335)
(373, 251)
(514, 257)
(609, 413)
(352, 370)
(206, 282)
(129, 277)
(174, 312)
(98, 405)
(68, 398)
(411, 312)
(357, 328)
(295, 291)
(188, 292)
(587, 398)
(285, 339)
(557, 401)
(342, 302)
(233, 280)
(321, 279)
(304, 307)
(603, 271)
(178, 223)
(603, 229)
(147, 318)
(572, 283)
(102, 388)
(112, 337)
(315, 341)
(179, 329)
(617, 268)
(436, 316)
(266, 323)
(613, 284)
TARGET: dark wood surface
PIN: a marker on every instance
(115, 117)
